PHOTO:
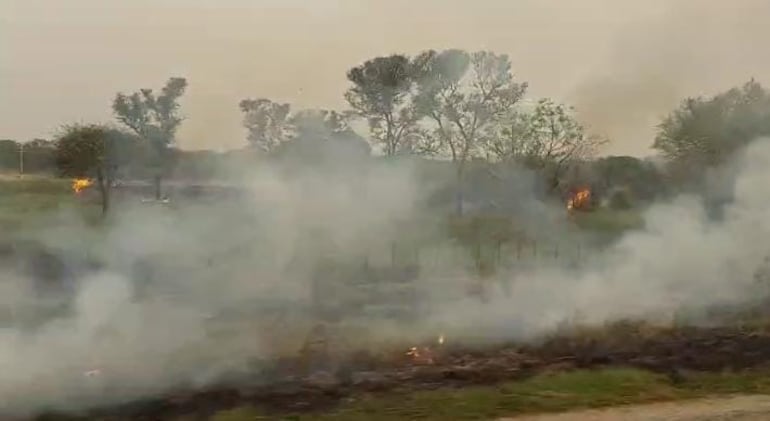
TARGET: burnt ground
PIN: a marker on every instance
(294, 388)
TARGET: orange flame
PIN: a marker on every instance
(79, 184)
(579, 199)
(424, 354)
(420, 355)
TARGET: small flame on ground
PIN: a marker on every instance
(420, 355)
(79, 184)
(441, 339)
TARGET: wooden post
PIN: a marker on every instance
(21, 159)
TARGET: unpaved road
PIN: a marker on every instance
(737, 408)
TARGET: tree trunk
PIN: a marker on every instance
(459, 191)
(104, 189)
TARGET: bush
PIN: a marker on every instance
(620, 200)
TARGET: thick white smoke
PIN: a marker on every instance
(250, 256)
(682, 262)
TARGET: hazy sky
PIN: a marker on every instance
(622, 63)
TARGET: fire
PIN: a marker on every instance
(420, 355)
(79, 184)
(579, 199)
(424, 354)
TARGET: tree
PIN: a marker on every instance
(92, 151)
(641, 179)
(322, 123)
(321, 137)
(38, 156)
(465, 97)
(383, 93)
(266, 121)
(9, 154)
(154, 118)
(704, 132)
(549, 139)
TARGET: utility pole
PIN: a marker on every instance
(21, 159)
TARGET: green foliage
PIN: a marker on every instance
(549, 139)
(620, 200)
(704, 132)
(643, 180)
(9, 154)
(609, 221)
(266, 121)
(81, 151)
(38, 156)
(574, 390)
(465, 96)
(383, 94)
(92, 151)
(480, 233)
(154, 118)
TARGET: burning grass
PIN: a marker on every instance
(620, 363)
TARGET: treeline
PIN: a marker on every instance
(464, 111)
(38, 157)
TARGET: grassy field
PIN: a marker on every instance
(30, 199)
(546, 393)
(33, 200)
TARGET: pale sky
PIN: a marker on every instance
(622, 63)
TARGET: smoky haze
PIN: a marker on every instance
(232, 281)
(622, 63)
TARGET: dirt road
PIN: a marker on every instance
(737, 408)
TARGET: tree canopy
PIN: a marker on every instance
(154, 118)
(93, 151)
(704, 132)
(383, 94)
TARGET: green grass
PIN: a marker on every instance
(545, 393)
(33, 200)
(609, 221)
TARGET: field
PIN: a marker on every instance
(579, 367)
(614, 365)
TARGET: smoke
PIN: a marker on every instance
(689, 48)
(622, 63)
(681, 264)
(187, 296)
(182, 297)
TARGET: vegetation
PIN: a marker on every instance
(457, 114)
(154, 118)
(704, 132)
(93, 152)
(545, 393)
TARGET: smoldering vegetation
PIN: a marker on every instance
(439, 220)
(165, 298)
